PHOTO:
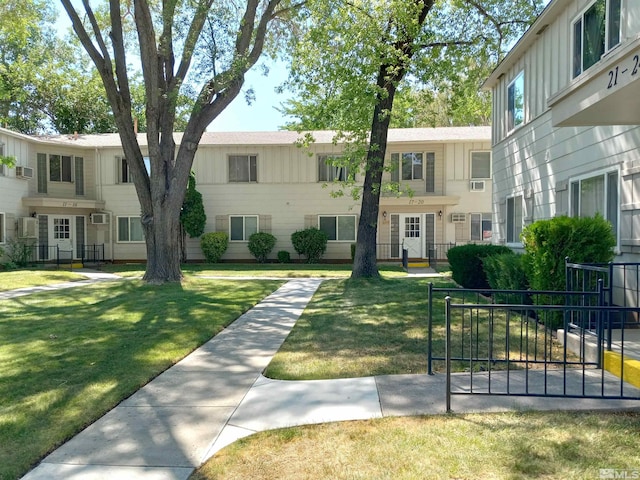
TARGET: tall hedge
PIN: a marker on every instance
(548, 242)
(466, 263)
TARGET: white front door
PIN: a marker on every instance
(411, 234)
(61, 233)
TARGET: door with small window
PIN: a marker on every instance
(61, 234)
(412, 234)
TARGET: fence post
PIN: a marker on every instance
(447, 315)
(600, 326)
(430, 331)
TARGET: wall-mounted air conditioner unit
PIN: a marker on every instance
(476, 186)
(99, 218)
(458, 217)
(27, 227)
(24, 172)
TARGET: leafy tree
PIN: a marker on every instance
(357, 55)
(192, 217)
(220, 42)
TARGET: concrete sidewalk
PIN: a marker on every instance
(217, 395)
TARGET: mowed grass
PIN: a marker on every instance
(356, 328)
(67, 357)
(258, 270)
(29, 278)
(552, 445)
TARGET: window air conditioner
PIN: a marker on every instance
(99, 218)
(27, 227)
(458, 217)
(477, 186)
(24, 172)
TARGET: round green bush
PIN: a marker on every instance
(284, 256)
(213, 245)
(261, 244)
(310, 242)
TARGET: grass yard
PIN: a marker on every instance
(278, 270)
(67, 357)
(527, 445)
(31, 278)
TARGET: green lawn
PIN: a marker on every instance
(29, 278)
(67, 357)
(527, 445)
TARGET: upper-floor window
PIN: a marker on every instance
(60, 168)
(515, 102)
(329, 169)
(596, 194)
(514, 219)
(243, 168)
(124, 170)
(480, 165)
(130, 229)
(406, 166)
(339, 228)
(480, 226)
(241, 227)
(595, 31)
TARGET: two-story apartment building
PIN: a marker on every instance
(74, 190)
(566, 116)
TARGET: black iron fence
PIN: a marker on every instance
(38, 254)
(517, 348)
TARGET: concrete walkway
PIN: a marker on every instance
(217, 395)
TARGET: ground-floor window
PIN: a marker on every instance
(596, 194)
(481, 226)
(339, 228)
(130, 229)
(241, 227)
(514, 219)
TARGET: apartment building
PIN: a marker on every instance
(69, 191)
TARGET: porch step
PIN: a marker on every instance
(418, 264)
(75, 265)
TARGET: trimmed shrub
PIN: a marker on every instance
(261, 244)
(548, 242)
(213, 245)
(310, 242)
(284, 256)
(507, 272)
(466, 263)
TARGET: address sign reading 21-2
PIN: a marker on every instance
(620, 72)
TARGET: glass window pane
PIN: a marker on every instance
(480, 165)
(253, 169)
(416, 160)
(66, 169)
(577, 48)
(237, 228)
(515, 102)
(593, 35)
(55, 169)
(135, 226)
(407, 166)
(346, 228)
(250, 226)
(475, 226)
(395, 167)
(486, 226)
(123, 229)
(592, 196)
(328, 225)
(614, 23)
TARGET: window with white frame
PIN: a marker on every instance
(595, 32)
(243, 168)
(514, 219)
(480, 165)
(406, 166)
(515, 102)
(330, 170)
(60, 168)
(124, 170)
(241, 227)
(3, 226)
(130, 229)
(339, 228)
(481, 226)
(596, 194)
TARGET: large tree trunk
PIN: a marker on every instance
(365, 262)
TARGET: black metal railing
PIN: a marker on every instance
(42, 254)
(389, 251)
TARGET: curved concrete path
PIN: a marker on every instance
(217, 395)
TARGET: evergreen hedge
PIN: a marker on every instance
(466, 263)
(261, 244)
(213, 245)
